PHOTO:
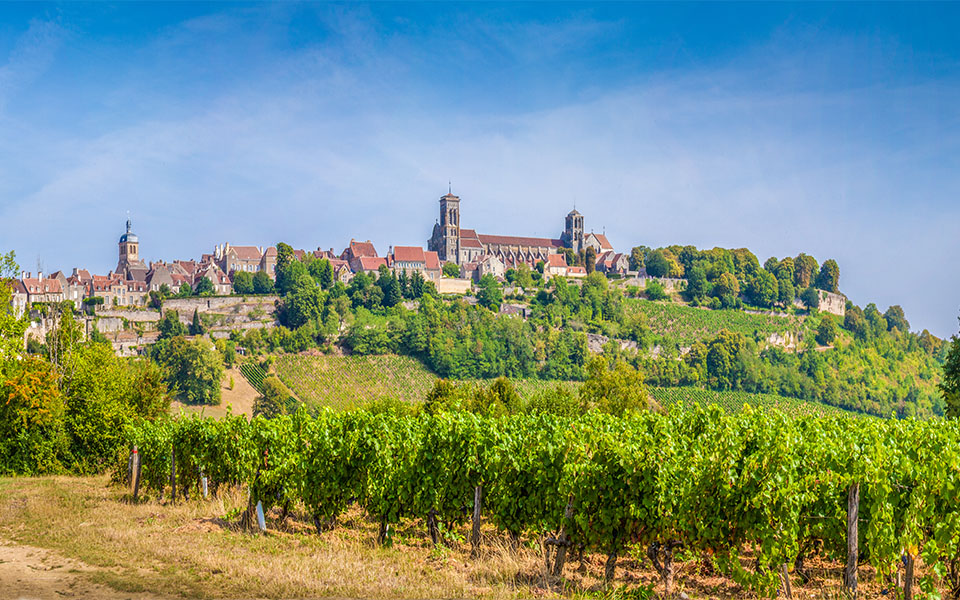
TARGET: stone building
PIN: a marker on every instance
(129, 265)
(465, 246)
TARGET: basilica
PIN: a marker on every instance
(465, 246)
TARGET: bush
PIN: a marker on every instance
(273, 401)
(656, 291)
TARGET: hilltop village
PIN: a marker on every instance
(214, 274)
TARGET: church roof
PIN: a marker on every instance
(602, 239)
(509, 240)
(361, 249)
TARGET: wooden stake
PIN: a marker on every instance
(908, 578)
(475, 534)
(787, 589)
(853, 509)
(561, 557)
(173, 476)
(135, 472)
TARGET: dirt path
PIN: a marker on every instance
(29, 573)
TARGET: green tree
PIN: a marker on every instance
(451, 269)
(489, 294)
(170, 326)
(262, 284)
(185, 291)
(805, 269)
(637, 260)
(896, 319)
(194, 369)
(697, 285)
(204, 287)
(726, 286)
(322, 272)
(590, 259)
(196, 326)
(33, 438)
(12, 327)
(810, 298)
(950, 384)
(786, 292)
(827, 331)
(764, 289)
(272, 402)
(829, 276)
(243, 282)
(655, 290)
(617, 390)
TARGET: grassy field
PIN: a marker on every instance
(79, 537)
(350, 381)
(686, 324)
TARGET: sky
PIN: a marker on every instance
(829, 129)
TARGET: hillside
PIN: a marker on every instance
(341, 382)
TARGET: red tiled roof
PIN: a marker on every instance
(604, 243)
(362, 249)
(572, 270)
(84, 275)
(470, 243)
(556, 260)
(468, 233)
(34, 285)
(246, 252)
(408, 254)
(433, 260)
(299, 254)
(271, 251)
(509, 240)
(371, 263)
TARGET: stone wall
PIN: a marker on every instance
(450, 285)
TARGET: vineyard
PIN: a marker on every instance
(734, 401)
(342, 382)
(254, 374)
(352, 381)
(696, 486)
(686, 324)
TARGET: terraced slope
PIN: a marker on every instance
(343, 382)
(686, 324)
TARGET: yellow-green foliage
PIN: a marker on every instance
(686, 324)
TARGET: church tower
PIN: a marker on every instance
(129, 251)
(446, 233)
(573, 231)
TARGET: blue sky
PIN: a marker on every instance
(785, 128)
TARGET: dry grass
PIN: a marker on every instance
(192, 550)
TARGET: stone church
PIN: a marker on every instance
(465, 246)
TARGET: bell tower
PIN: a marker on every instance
(129, 250)
(573, 231)
(450, 228)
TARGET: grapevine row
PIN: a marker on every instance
(712, 485)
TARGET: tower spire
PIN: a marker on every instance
(450, 187)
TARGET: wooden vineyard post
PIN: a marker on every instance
(564, 540)
(173, 476)
(135, 472)
(853, 509)
(787, 589)
(908, 577)
(475, 534)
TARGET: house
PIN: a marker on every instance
(555, 265)
(433, 271)
(367, 264)
(357, 250)
(30, 290)
(598, 242)
(576, 272)
(221, 283)
(268, 264)
(232, 259)
(341, 270)
(613, 262)
(74, 292)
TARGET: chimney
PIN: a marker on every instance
(40, 275)
(75, 274)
